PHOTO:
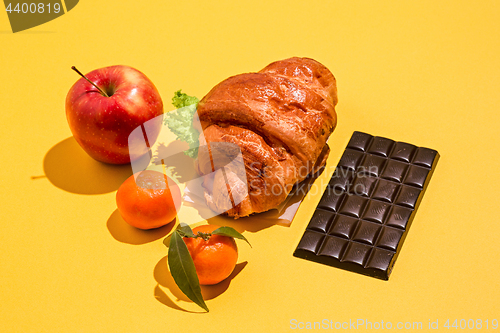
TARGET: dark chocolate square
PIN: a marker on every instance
(381, 146)
(368, 206)
(351, 159)
(394, 171)
(310, 241)
(389, 238)
(356, 253)
(425, 157)
(376, 211)
(341, 179)
(403, 152)
(359, 141)
(381, 260)
(343, 226)
(320, 221)
(363, 185)
(372, 165)
(408, 196)
(333, 247)
(331, 199)
(416, 176)
(353, 205)
(399, 217)
(367, 232)
(386, 191)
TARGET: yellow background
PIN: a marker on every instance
(424, 72)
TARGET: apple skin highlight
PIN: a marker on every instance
(101, 125)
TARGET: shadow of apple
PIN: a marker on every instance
(69, 168)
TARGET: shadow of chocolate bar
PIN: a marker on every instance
(368, 206)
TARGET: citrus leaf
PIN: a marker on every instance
(185, 230)
(230, 232)
(183, 271)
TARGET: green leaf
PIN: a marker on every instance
(185, 230)
(183, 271)
(230, 232)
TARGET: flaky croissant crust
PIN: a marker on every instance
(281, 118)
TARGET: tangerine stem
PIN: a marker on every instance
(204, 235)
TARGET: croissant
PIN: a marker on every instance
(279, 119)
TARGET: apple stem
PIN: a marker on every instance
(100, 90)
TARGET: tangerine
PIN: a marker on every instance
(148, 200)
(215, 258)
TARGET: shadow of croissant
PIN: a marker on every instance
(164, 279)
(180, 166)
(253, 223)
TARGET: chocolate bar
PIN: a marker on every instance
(368, 206)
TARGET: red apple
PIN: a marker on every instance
(106, 105)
